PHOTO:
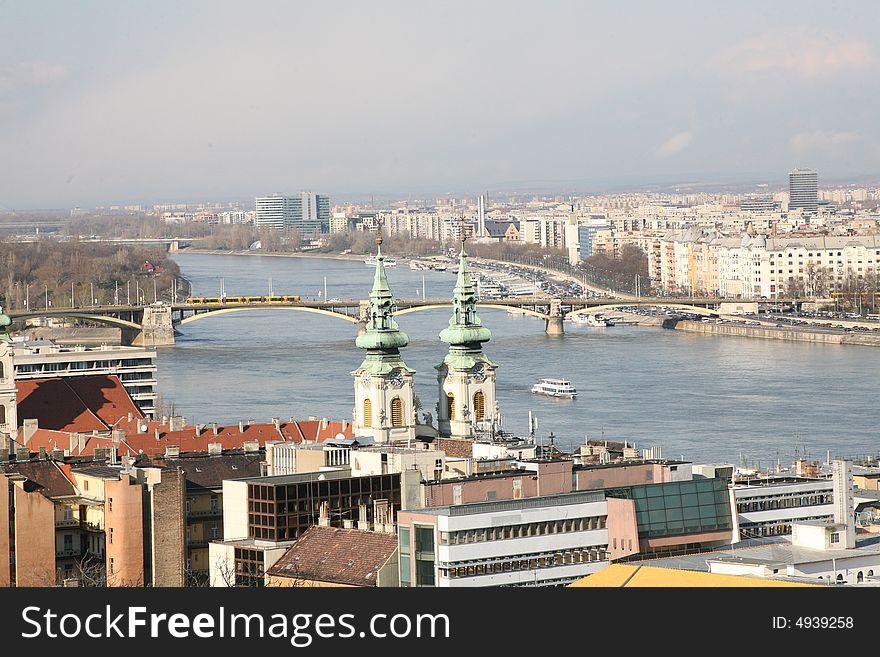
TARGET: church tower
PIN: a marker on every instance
(8, 413)
(466, 377)
(383, 384)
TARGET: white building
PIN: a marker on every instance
(135, 366)
(543, 541)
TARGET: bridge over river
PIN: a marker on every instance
(156, 324)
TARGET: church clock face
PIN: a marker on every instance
(480, 373)
(365, 378)
(396, 378)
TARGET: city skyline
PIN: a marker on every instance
(103, 103)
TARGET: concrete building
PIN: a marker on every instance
(546, 541)
(803, 190)
(769, 506)
(134, 366)
(263, 516)
(307, 212)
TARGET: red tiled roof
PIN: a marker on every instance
(105, 396)
(55, 405)
(53, 479)
(341, 556)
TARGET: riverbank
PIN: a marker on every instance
(775, 333)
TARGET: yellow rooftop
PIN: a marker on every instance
(623, 575)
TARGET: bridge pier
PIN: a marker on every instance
(554, 326)
(555, 319)
(157, 329)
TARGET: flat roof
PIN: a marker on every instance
(307, 477)
(564, 499)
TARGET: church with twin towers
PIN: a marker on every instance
(386, 406)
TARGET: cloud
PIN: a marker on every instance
(675, 144)
(806, 52)
(30, 74)
(821, 141)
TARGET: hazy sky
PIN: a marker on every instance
(105, 102)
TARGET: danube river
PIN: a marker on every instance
(704, 398)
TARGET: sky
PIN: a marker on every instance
(140, 102)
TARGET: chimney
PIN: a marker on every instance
(348, 524)
(164, 420)
(277, 422)
(844, 510)
(172, 451)
(4, 454)
(363, 523)
(325, 423)
(22, 453)
(177, 423)
(241, 426)
(29, 428)
(344, 425)
(324, 517)
(215, 449)
(313, 418)
(130, 416)
(157, 434)
(118, 435)
(251, 446)
(42, 453)
(57, 455)
(214, 428)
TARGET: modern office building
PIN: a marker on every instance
(135, 366)
(306, 212)
(803, 190)
(542, 541)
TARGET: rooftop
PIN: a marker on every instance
(564, 499)
(341, 556)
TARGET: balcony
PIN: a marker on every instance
(67, 522)
(204, 513)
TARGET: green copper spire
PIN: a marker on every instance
(465, 333)
(381, 338)
(4, 323)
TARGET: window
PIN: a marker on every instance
(450, 405)
(403, 538)
(397, 412)
(111, 536)
(479, 405)
(835, 537)
(109, 503)
(112, 566)
(368, 413)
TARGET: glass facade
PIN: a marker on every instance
(281, 512)
(424, 553)
(405, 558)
(681, 507)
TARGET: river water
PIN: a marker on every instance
(704, 398)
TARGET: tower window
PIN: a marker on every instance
(396, 412)
(2, 414)
(368, 413)
(479, 405)
(450, 405)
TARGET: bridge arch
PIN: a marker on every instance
(223, 311)
(480, 306)
(99, 319)
(697, 310)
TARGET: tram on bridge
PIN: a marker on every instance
(285, 298)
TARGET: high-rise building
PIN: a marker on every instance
(307, 212)
(803, 190)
